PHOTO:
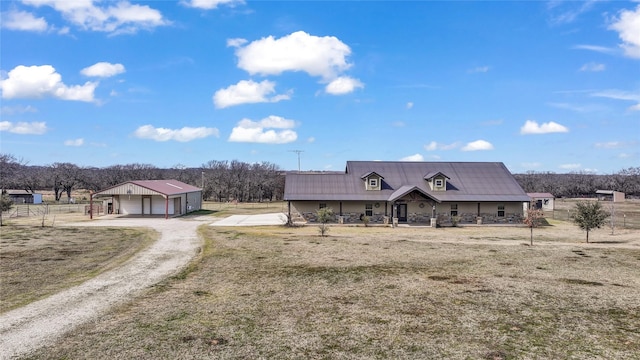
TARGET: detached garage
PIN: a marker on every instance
(151, 197)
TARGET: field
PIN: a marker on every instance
(458, 293)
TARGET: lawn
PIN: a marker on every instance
(37, 261)
(403, 293)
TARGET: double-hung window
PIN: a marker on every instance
(368, 209)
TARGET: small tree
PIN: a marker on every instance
(324, 216)
(532, 220)
(589, 215)
(5, 205)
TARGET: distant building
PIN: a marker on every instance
(151, 197)
(542, 201)
(610, 195)
(24, 197)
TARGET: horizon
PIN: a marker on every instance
(538, 86)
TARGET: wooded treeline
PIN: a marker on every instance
(236, 180)
(581, 184)
(220, 180)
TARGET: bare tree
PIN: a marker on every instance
(532, 220)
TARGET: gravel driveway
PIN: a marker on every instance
(40, 323)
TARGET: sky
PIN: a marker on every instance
(538, 85)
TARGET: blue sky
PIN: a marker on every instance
(542, 86)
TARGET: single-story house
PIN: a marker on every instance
(610, 195)
(24, 197)
(151, 197)
(542, 201)
(409, 192)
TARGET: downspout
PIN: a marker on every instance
(289, 212)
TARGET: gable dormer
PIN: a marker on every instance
(372, 181)
(437, 181)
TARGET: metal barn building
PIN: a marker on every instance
(151, 197)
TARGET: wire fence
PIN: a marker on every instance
(24, 210)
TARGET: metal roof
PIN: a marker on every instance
(540, 195)
(162, 187)
(467, 181)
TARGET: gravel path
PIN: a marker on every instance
(28, 328)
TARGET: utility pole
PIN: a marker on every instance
(297, 152)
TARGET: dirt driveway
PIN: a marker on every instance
(30, 327)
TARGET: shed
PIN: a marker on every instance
(24, 197)
(542, 201)
(610, 195)
(151, 197)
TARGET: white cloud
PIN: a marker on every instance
(596, 48)
(22, 21)
(113, 17)
(479, 69)
(398, 124)
(74, 142)
(409, 105)
(628, 27)
(325, 57)
(593, 67)
(432, 146)
(570, 166)
(24, 128)
(256, 131)
(477, 146)
(182, 135)
(532, 127)
(343, 85)
(311, 140)
(414, 157)
(210, 4)
(43, 81)
(621, 95)
(12, 110)
(247, 92)
(103, 69)
(609, 145)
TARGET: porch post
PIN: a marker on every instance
(166, 207)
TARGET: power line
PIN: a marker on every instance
(297, 152)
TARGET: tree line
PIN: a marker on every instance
(581, 184)
(246, 182)
(220, 180)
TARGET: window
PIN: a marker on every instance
(323, 205)
(439, 183)
(500, 210)
(368, 210)
(454, 209)
(373, 183)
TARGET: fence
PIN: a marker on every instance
(24, 210)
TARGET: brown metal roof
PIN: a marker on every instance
(468, 181)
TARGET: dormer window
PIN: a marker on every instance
(372, 181)
(437, 181)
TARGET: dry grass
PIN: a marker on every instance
(404, 293)
(229, 208)
(37, 261)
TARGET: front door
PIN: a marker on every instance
(401, 213)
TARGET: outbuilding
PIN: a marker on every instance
(151, 197)
(542, 201)
(610, 195)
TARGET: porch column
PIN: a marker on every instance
(166, 207)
